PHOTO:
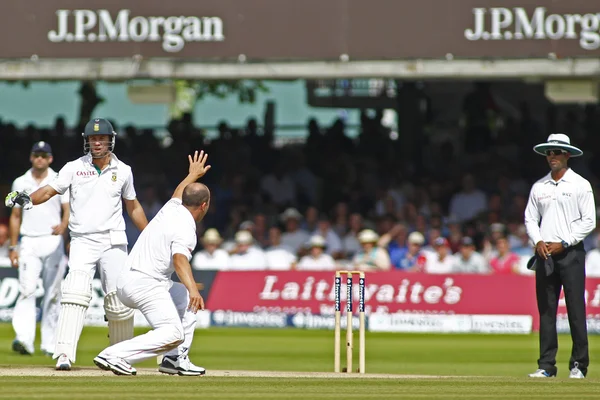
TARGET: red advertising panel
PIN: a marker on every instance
(386, 292)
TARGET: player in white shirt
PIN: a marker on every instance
(99, 184)
(212, 257)
(559, 215)
(164, 247)
(316, 259)
(246, 257)
(39, 254)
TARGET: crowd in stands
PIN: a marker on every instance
(334, 201)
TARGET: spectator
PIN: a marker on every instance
(524, 248)
(442, 261)
(332, 240)
(395, 242)
(211, 257)
(311, 219)
(293, 237)
(316, 259)
(4, 242)
(592, 262)
(371, 257)
(279, 257)
(469, 261)
(351, 244)
(278, 186)
(245, 256)
(469, 203)
(413, 259)
(432, 236)
(260, 230)
(505, 262)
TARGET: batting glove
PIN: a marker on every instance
(15, 198)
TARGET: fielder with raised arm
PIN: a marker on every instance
(164, 247)
(39, 255)
(98, 182)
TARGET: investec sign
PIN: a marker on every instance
(100, 26)
(517, 24)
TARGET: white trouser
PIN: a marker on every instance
(40, 256)
(86, 253)
(96, 249)
(164, 309)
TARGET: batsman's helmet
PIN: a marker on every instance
(98, 126)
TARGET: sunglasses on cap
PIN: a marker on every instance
(43, 155)
(555, 152)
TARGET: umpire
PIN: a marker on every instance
(559, 215)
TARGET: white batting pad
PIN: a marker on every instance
(76, 297)
(119, 317)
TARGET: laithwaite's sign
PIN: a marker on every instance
(101, 26)
(499, 23)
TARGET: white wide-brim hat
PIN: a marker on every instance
(212, 236)
(558, 141)
(244, 237)
(316, 241)
(368, 236)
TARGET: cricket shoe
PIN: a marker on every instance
(576, 372)
(541, 373)
(63, 363)
(180, 366)
(117, 365)
(20, 348)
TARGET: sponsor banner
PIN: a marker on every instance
(312, 293)
(450, 323)
(270, 30)
(9, 292)
(229, 318)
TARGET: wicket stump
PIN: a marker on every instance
(338, 317)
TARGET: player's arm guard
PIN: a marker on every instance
(20, 198)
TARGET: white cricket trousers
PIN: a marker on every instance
(96, 249)
(164, 309)
(86, 253)
(40, 256)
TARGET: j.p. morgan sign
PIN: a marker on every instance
(499, 23)
(100, 26)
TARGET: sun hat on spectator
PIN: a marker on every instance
(244, 237)
(368, 236)
(212, 236)
(290, 213)
(416, 238)
(316, 241)
(558, 141)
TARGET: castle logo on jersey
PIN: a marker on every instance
(500, 23)
(100, 26)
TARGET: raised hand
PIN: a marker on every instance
(198, 165)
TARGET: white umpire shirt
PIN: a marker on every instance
(39, 220)
(171, 231)
(562, 210)
(96, 204)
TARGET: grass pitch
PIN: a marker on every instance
(457, 366)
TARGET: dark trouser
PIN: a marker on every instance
(569, 272)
